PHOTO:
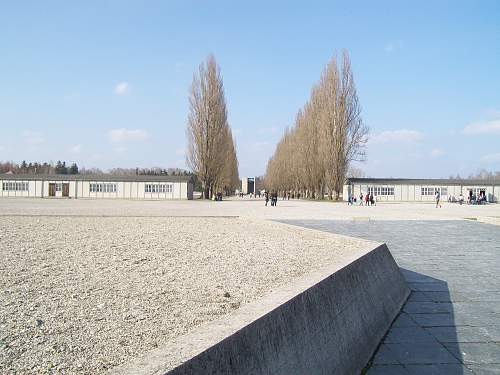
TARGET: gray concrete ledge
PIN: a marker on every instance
(329, 322)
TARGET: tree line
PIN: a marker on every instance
(481, 174)
(39, 168)
(61, 167)
(211, 152)
(315, 154)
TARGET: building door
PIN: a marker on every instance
(65, 190)
(52, 190)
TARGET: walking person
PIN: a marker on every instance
(274, 198)
(438, 197)
(361, 199)
(367, 199)
(266, 195)
(372, 200)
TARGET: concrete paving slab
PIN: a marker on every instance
(423, 307)
(420, 353)
(388, 370)
(440, 369)
(452, 269)
(404, 320)
(459, 334)
(475, 353)
(385, 356)
(408, 335)
(485, 369)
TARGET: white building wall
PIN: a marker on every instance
(413, 192)
(81, 189)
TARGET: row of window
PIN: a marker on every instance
(158, 188)
(433, 190)
(15, 186)
(381, 190)
(103, 188)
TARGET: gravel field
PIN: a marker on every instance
(249, 208)
(80, 295)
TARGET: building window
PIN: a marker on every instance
(158, 188)
(477, 191)
(433, 190)
(103, 188)
(15, 186)
(381, 190)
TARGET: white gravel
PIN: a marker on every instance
(250, 208)
(80, 295)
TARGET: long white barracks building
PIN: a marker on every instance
(96, 186)
(418, 190)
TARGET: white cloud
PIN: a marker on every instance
(180, 152)
(436, 152)
(396, 136)
(491, 158)
(32, 138)
(122, 88)
(120, 150)
(76, 149)
(260, 145)
(124, 135)
(393, 46)
(268, 130)
(487, 127)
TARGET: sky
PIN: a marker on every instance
(105, 83)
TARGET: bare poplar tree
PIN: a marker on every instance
(314, 156)
(210, 143)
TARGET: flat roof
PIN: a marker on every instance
(419, 181)
(93, 177)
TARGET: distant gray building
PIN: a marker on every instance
(420, 190)
(249, 185)
(96, 186)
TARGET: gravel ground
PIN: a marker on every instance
(250, 208)
(80, 295)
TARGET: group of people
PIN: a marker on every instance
(367, 200)
(472, 198)
(273, 197)
(477, 199)
(217, 197)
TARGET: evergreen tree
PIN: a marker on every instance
(73, 169)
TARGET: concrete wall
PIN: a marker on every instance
(329, 322)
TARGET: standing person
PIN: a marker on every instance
(438, 197)
(372, 201)
(266, 195)
(461, 199)
(361, 199)
(367, 199)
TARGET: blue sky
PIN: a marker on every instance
(105, 83)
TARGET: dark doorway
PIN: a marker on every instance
(251, 186)
(52, 190)
(65, 190)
